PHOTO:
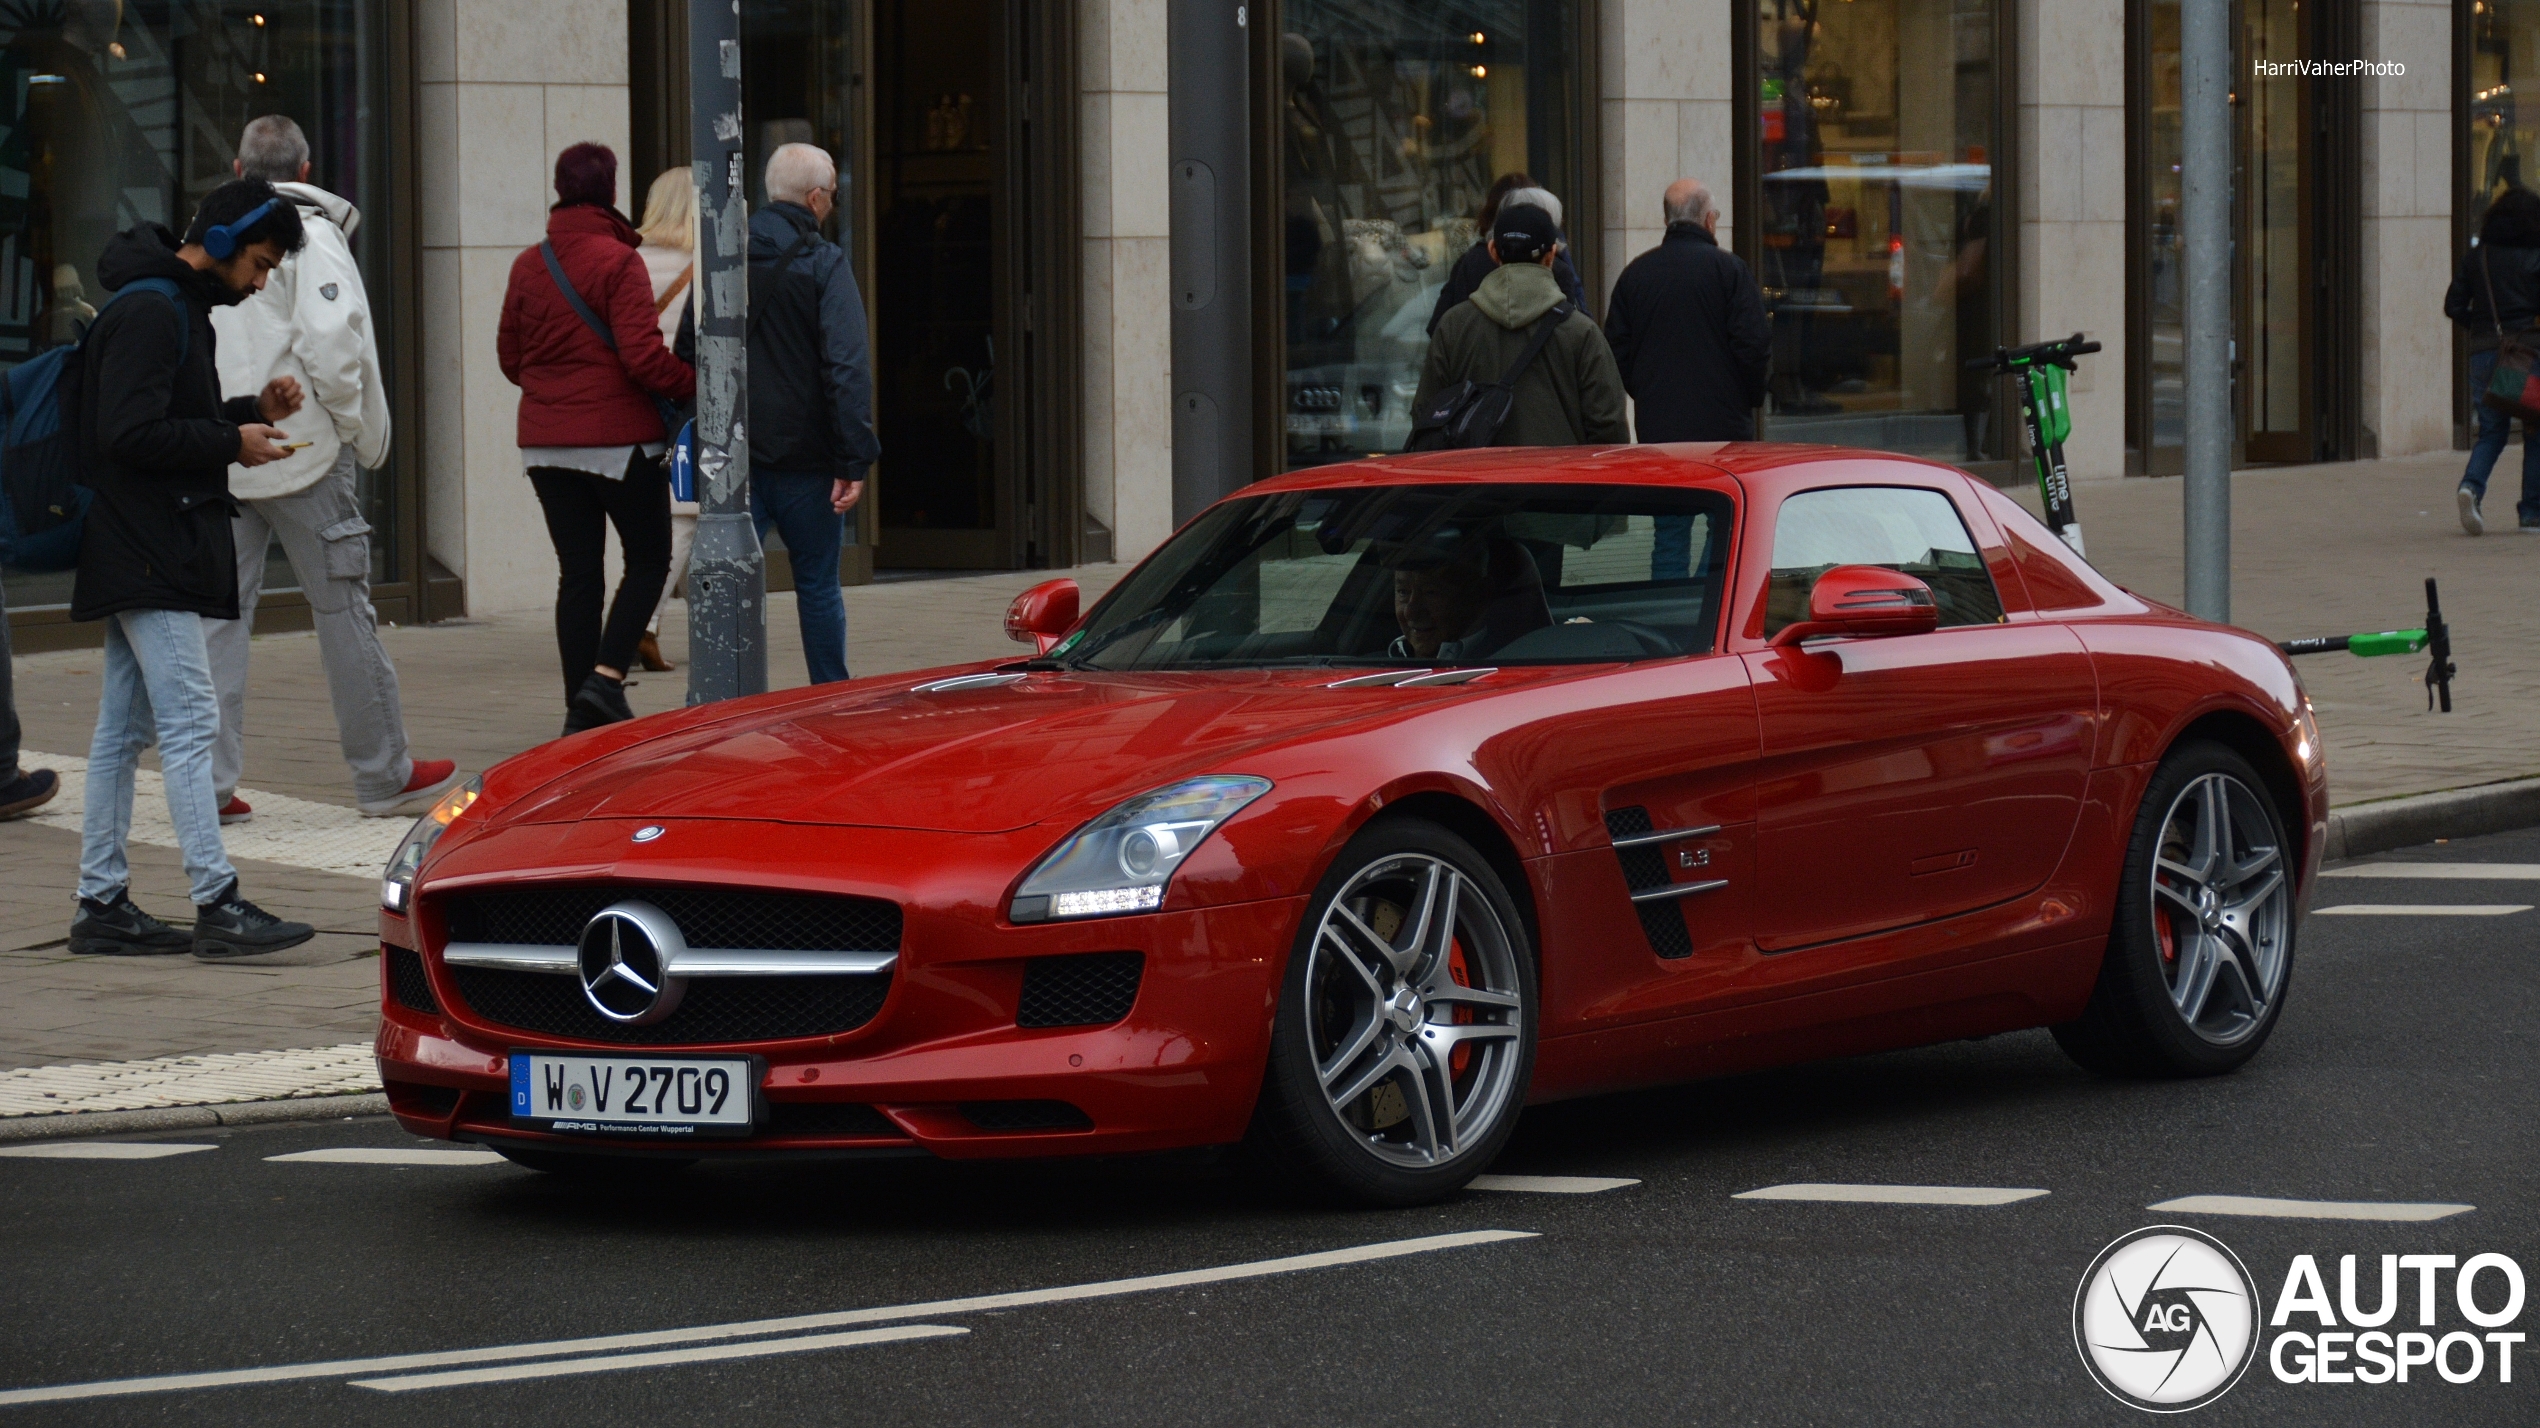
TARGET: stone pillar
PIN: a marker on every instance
(1663, 76)
(2070, 78)
(2406, 256)
(503, 88)
(1128, 350)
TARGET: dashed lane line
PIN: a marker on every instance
(2401, 1211)
(660, 1358)
(100, 1150)
(1548, 1184)
(798, 1324)
(2462, 872)
(2422, 909)
(386, 1155)
(1894, 1194)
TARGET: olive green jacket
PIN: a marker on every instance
(1571, 396)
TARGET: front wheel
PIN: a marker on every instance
(1406, 1028)
(2202, 950)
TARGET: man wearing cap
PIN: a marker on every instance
(1571, 394)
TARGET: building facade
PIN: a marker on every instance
(1913, 181)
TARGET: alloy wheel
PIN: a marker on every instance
(1413, 1010)
(2221, 908)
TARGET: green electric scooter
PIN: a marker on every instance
(2042, 368)
(2435, 637)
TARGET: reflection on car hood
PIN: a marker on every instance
(975, 760)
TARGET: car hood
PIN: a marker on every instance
(970, 760)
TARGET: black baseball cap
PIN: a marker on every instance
(1523, 233)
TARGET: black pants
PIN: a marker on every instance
(580, 507)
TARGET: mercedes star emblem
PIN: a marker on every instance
(648, 832)
(625, 958)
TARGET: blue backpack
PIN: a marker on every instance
(43, 502)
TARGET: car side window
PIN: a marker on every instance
(1902, 528)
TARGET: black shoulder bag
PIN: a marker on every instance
(2514, 387)
(672, 418)
(1470, 413)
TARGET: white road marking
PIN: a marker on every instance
(753, 1328)
(611, 1363)
(2422, 909)
(1893, 1194)
(2310, 1209)
(100, 1150)
(386, 1155)
(2465, 872)
(1548, 1184)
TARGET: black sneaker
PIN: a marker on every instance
(231, 926)
(116, 928)
(601, 700)
(27, 790)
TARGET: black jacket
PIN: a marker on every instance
(156, 441)
(811, 377)
(2516, 274)
(1688, 329)
(1476, 264)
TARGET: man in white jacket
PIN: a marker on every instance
(313, 323)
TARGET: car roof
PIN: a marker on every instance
(1761, 466)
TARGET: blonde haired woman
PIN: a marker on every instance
(669, 252)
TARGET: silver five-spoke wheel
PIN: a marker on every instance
(1413, 1010)
(2220, 901)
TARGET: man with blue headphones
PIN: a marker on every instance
(156, 558)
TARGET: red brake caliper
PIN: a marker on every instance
(2162, 930)
(1463, 1055)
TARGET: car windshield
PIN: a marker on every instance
(1412, 575)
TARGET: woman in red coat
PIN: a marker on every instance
(591, 433)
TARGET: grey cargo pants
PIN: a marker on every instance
(328, 543)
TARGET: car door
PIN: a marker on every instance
(1908, 779)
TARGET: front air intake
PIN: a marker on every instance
(1089, 989)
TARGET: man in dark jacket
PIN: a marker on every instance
(156, 558)
(1688, 328)
(2495, 296)
(1477, 263)
(811, 393)
(1570, 394)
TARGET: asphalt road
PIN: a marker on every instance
(2403, 1071)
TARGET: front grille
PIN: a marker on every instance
(714, 1009)
(1089, 989)
(1645, 867)
(554, 916)
(827, 1118)
(406, 981)
(1025, 1116)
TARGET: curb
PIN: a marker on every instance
(2424, 817)
(164, 1118)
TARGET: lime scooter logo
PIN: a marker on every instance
(2166, 1319)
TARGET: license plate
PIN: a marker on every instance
(672, 1097)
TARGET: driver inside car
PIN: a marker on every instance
(1462, 599)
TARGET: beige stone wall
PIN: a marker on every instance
(2070, 73)
(1128, 341)
(1663, 77)
(505, 85)
(2407, 254)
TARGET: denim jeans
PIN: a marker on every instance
(798, 507)
(8, 699)
(2492, 428)
(158, 686)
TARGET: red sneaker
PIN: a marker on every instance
(432, 777)
(235, 811)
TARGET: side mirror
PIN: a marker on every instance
(1863, 602)
(1042, 615)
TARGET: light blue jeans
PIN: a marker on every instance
(158, 687)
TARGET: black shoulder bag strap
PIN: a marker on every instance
(1545, 326)
(672, 417)
(784, 264)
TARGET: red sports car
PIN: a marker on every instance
(1383, 800)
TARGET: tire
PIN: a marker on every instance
(581, 1165)
(2201, 953)
(1385, 1017)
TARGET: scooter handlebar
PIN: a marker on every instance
(2059, 352)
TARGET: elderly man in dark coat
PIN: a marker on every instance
(1687, 326)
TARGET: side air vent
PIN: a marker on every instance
(1644, 870)
(407, 982)
(1089, 989)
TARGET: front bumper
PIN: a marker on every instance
(943, 1067)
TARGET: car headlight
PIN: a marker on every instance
(397, 885)
(1121, 861)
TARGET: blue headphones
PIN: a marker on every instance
(221, 239)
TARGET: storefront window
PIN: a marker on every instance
(1882, 222)
(119, 112)
(1396, 121)
(2504, 66)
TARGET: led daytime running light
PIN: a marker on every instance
(1123, 861)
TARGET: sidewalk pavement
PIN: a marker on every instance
(2317, 550)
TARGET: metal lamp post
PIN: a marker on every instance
(2205, 64)
(727, 570)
